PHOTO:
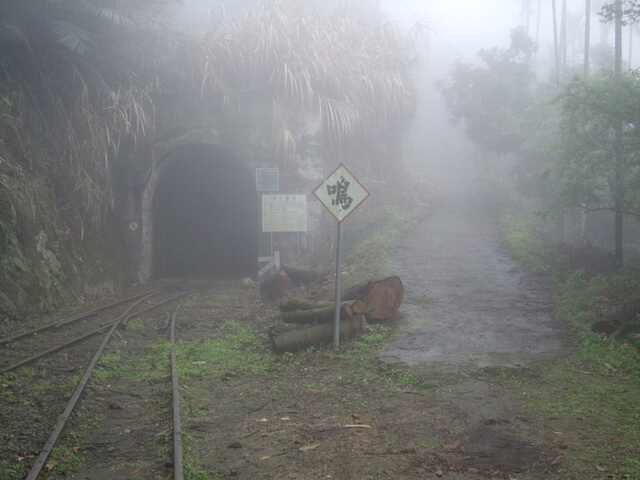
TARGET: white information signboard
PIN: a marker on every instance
(341, 193)
(284, 213)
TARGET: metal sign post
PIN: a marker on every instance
(268, 180)
(341, 193)
(336, 312)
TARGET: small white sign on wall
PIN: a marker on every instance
(284, 213)
(267, 179)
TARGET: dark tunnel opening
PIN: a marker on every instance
(205, 215)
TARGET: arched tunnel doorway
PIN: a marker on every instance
(205, 215)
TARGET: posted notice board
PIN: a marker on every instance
(284, 213)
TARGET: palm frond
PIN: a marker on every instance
(73, 37)
(356, 73)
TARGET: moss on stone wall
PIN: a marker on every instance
(49, 255)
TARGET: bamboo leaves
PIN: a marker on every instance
(355, 74)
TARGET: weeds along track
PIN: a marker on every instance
(99, 380)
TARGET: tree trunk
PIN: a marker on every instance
(291, 341)
(563, 39)
(618, 193)
(556, 48)
(319, 315)
(378, 300)
(274, 288)
(587, 37)
(539, 14)
(630, 61)
(291, 304)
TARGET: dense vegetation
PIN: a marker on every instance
(75, 89)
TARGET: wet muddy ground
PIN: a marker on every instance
(468, 304)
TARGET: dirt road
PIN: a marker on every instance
(468, 304)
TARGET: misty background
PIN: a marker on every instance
(448, 32)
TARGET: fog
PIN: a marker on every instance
(452, 30)
(456, 30)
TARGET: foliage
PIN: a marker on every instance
(76, 84)
(82, 68)
(586, 172)
(578, 300)
(630, 12)
(354, 73)
(535, 153)
(531, 249)
(490, 100)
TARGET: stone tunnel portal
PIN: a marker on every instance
(205, 215)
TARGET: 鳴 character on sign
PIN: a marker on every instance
(340, 191)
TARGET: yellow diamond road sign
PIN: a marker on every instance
(341, 193)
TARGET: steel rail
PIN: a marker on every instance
(62, 346)
(53, 438)
(66, 321)
(57, 430)
(177, 424)
(125, 316)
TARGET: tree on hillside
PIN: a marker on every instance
(630, 11)
(503, 111)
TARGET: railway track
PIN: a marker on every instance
(82, 368)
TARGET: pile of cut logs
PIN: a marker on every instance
(307, 323)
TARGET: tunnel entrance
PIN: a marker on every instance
(205, 215)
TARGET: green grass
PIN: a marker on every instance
(370, 257)
(598, 384)
(191, 468)
(361, 362)
(530, 248)
(238, 349)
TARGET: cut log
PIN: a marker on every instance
(291, 304)
(305, 275)
(318, 335)
(285, 328)
(316, 315)
(378, 299)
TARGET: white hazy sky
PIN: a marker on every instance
(459, 26)
(457, 30)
